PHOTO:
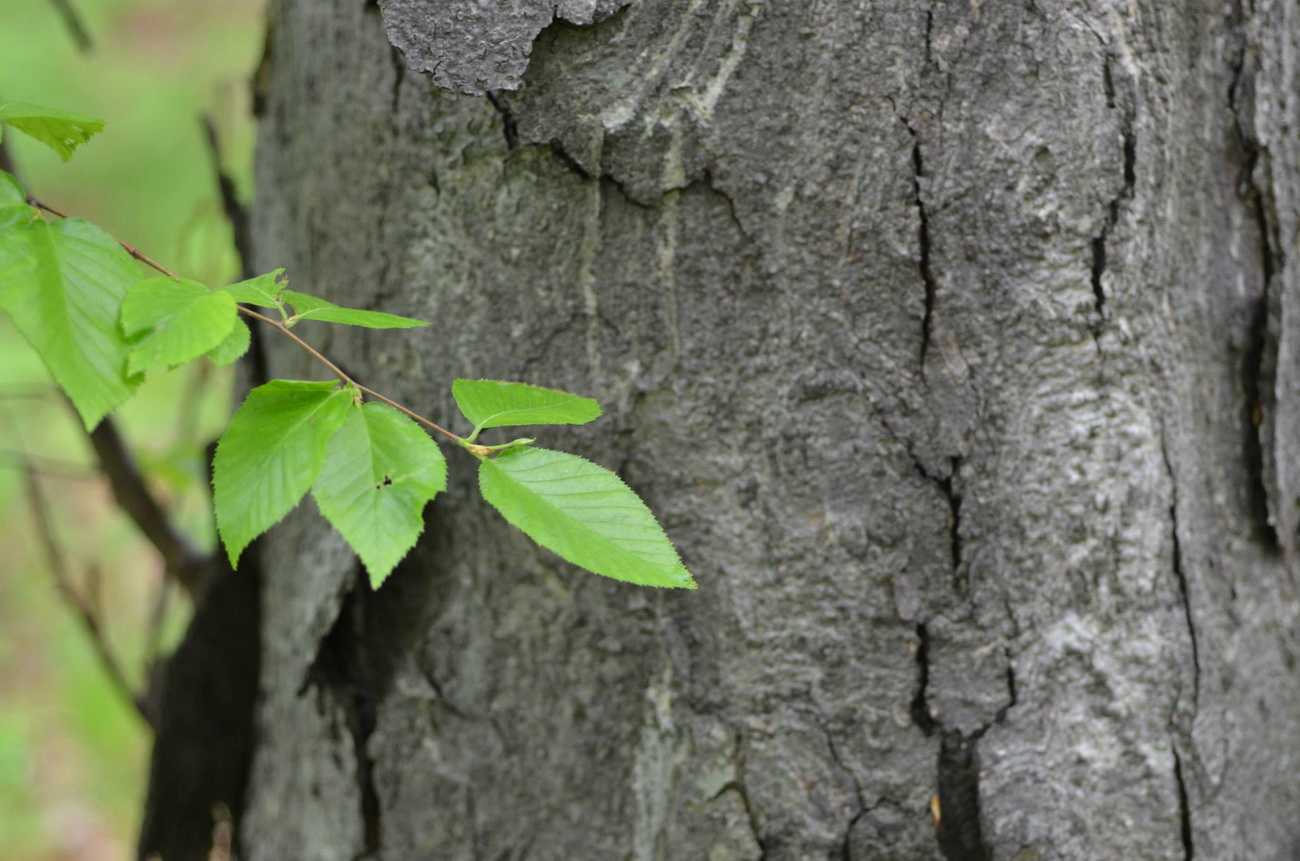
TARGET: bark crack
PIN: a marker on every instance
(1259, 351)
(960, 833)
(1180, 574)
(920, 708)
(1128, 148)
(399, 75)
(1184, 810)
(923, 242)
(509, 127)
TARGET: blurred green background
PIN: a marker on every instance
(73, 754)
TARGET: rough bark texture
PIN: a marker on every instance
(954, 342)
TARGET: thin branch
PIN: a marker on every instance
(236, 213)
(338, 372)
(75, 26)
(85, 611)
(126, 246)
(180, 558)
(276, 324)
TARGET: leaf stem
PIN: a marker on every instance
(126, 246)
(275, 324)
(337, 371)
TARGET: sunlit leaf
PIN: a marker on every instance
(172, 321)
(310, 308)
(59, 130)
(584, 513)
(270, 455)
(235, 345)
(62, 283)
(264, 290)
(493, 404)
(379, 473)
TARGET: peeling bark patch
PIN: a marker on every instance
(474, 47)
(1184, 810)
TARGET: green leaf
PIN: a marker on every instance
(235, 345)
(310, 308)
(494, 404)
(59, 130)
(264, 290)
(379, 473)
(63, 282)
(271, 454)
(584, 513)
(173, 321)
(13, 202)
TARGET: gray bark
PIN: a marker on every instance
(956, 345)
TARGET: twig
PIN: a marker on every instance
(128, 247)
(338, 372)
(236, 212)
(276, 324)
(242, 238)
(180, 558)
(85, 611)
(75, 26)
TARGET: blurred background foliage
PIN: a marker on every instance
(73, 753)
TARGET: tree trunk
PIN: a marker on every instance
(955, 345)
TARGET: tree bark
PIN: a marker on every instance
(955, 343)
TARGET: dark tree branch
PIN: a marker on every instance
(85, 608)
(181, 559)
(236, 212)
(74, 24)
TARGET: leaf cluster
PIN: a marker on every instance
(77, 296)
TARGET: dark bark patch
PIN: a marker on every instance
(1184, 810)
(920, 708)
(342, 669)
(960, 834)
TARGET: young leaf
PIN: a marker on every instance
(235, 345)
(59, 130)
(379, 472)
(173, 321)
(62, 283)
(271, 454)
(264, 290)
(310, 308)
(494, 404)
(584, 513)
